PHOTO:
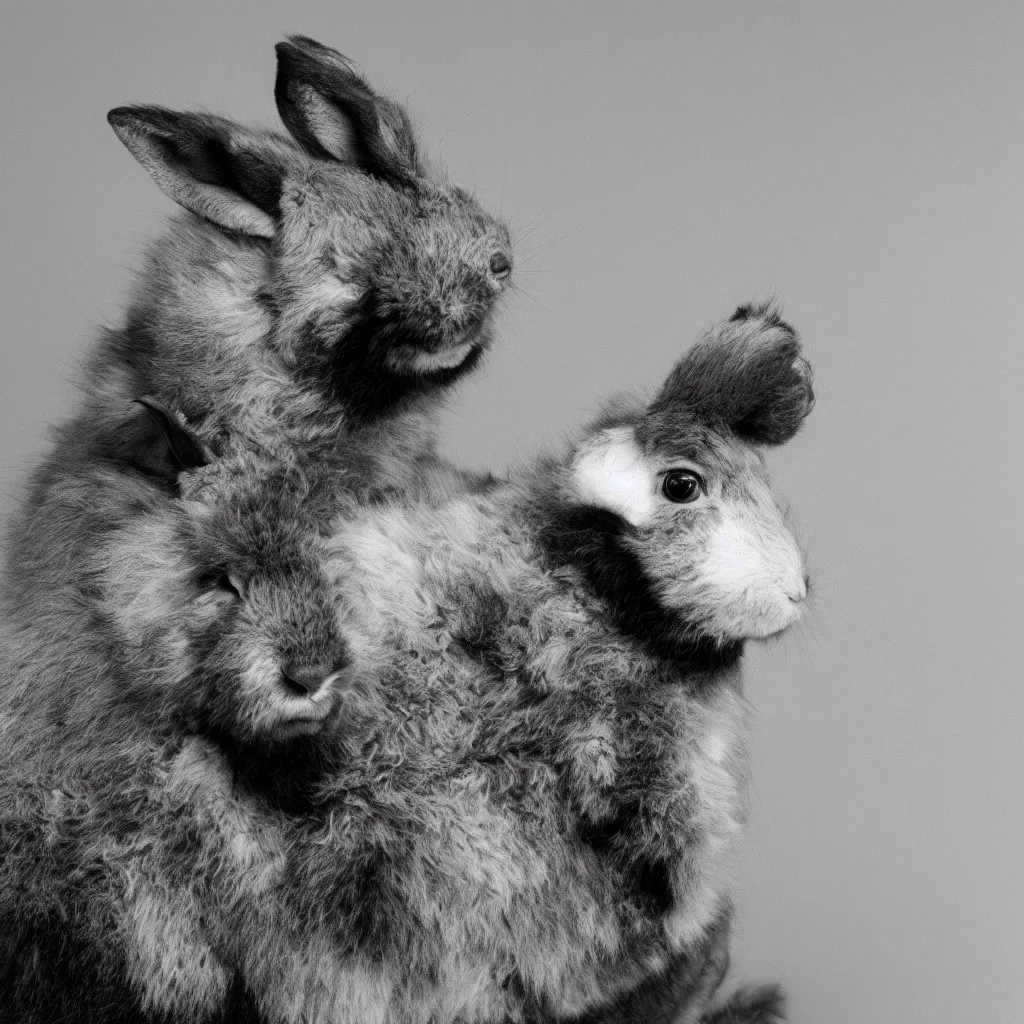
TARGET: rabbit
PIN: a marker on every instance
(559, 654)
(319, 284)
(161, 572)
(203, 630)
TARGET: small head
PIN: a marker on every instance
(222, 600)
(683, 483)
(382, 277)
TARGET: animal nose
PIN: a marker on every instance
(306, 680)
(796, 589)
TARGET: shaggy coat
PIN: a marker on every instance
(319, 284)
(521, 801)
(211, 615)
(319, 296)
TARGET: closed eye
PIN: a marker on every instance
(221, 580)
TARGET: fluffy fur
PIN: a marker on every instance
(321, 281)
(205, 619)
(521, 809)
(311, 304)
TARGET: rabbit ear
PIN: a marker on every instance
(746, 375)
(161, 446)
(217, 169)
(335, 115)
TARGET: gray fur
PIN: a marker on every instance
(758, 387)
(525, 807)
(307, 343)
(311, 291)
(763, 1004)
(203, 619)
(305, 308)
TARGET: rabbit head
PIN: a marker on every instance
(378, 278)
(680, 491)
(221, 601)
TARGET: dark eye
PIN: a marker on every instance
(682, 486)
(501, 266)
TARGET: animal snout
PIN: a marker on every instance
(454, 324)
(796, 588)
(304, 680)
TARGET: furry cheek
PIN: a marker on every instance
(754, 577)
(612, 473)
(332, 291)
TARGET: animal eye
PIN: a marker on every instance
(221, 579)
(682, 486)
(501, 266)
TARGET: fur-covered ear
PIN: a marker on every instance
(160, 445)
(745, 375)
(220, 170)
(335, 115)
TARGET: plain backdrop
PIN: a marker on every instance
(660, 163)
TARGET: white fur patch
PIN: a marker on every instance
(758, 576)
(612, 473)
(425, 362)
(269, 705)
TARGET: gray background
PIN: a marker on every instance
(662, 162)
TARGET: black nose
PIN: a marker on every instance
(305, 680)
(500, 265)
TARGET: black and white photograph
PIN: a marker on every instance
(511, 514)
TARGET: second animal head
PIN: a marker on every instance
(218, 603)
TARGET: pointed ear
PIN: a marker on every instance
(220, 170)
(160, 445)
(746, 376)
(335, 115)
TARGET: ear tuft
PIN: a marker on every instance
(746, 376)
(335, 115)
(767, 312)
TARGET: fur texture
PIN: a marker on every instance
(520, 807)
(207, 620)
(319, 283)
(310, 304)
(763, 1004)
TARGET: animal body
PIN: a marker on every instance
(521, 803)
(204, 620)
(563, 653)
(321, 292)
